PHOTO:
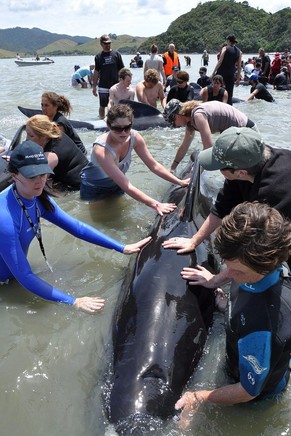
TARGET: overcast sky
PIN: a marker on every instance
(94, 17)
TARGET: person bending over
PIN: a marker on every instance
(111, 157)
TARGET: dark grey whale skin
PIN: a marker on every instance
(161, 323)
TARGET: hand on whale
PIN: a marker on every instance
(184, 245)
(189, 404)
(136, 246)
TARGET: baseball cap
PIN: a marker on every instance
(236, 147)
(253, 76)
(104, 39)
(232, 38)
(175, 68)
(29, 159)
(170, 110)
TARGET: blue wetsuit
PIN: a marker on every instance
(258, 335)
(16, 235)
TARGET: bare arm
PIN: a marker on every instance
(186, 245)
(252, 95)
(219, 62)
(226, 395)
(162, 96)
(204, 94)
(225, 97)
(95, 81)
(52, 158)
(182, 150)
(106, 161)
(238, 70)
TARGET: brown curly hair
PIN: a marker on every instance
(255, 234)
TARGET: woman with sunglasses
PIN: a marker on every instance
(111, 158)
(23, 204)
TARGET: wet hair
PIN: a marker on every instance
(59, 101)
(42, 126)
(154, 48)
(43, 197)
(218, 78)
(119, 111)
(152, 76)
(255, 234)
(182, 75)
(123, 73)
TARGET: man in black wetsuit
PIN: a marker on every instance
(229, 62)
(108, 63)
(258, 90)
(266, 66)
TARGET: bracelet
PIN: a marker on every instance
(176, 162)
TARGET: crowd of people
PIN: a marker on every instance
(250, 214)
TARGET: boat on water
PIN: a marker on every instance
(30, 62)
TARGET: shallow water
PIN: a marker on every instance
(52, 357)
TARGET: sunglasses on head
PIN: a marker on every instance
(120, 129)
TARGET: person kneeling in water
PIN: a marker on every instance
(22, 205)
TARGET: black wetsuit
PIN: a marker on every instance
(203, 81)
(183, 94)
(61, 120)
(71, 161)
(227, 69)
(258, 334)
(281, 82)
(218, 97)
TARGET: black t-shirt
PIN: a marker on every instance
(108, 66)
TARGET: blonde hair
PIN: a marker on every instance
(188, 106)
(42, 126)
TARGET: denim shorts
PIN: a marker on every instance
(98, 189)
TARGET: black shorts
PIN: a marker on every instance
(103, 99)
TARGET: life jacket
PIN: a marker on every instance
(170, 63)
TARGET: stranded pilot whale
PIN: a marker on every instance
(161, 323)
(145, 117)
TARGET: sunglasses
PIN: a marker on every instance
(201, 72)
(180, 81)
(120, 129)
(106, 43)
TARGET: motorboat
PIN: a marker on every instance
(30, 62)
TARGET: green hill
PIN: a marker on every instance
(207, 25)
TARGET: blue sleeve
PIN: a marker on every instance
(81, 230)
(14, 263)
(254, 361)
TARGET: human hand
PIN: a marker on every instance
(89, 304)
(162, 208)
(189, 403)
(135, 247)
(184, 245)
(94, 91)
(197, 276)
(185, 182)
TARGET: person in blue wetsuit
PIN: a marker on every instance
(254, 243)
(22, 205)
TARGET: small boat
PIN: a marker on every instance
(31, 62)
